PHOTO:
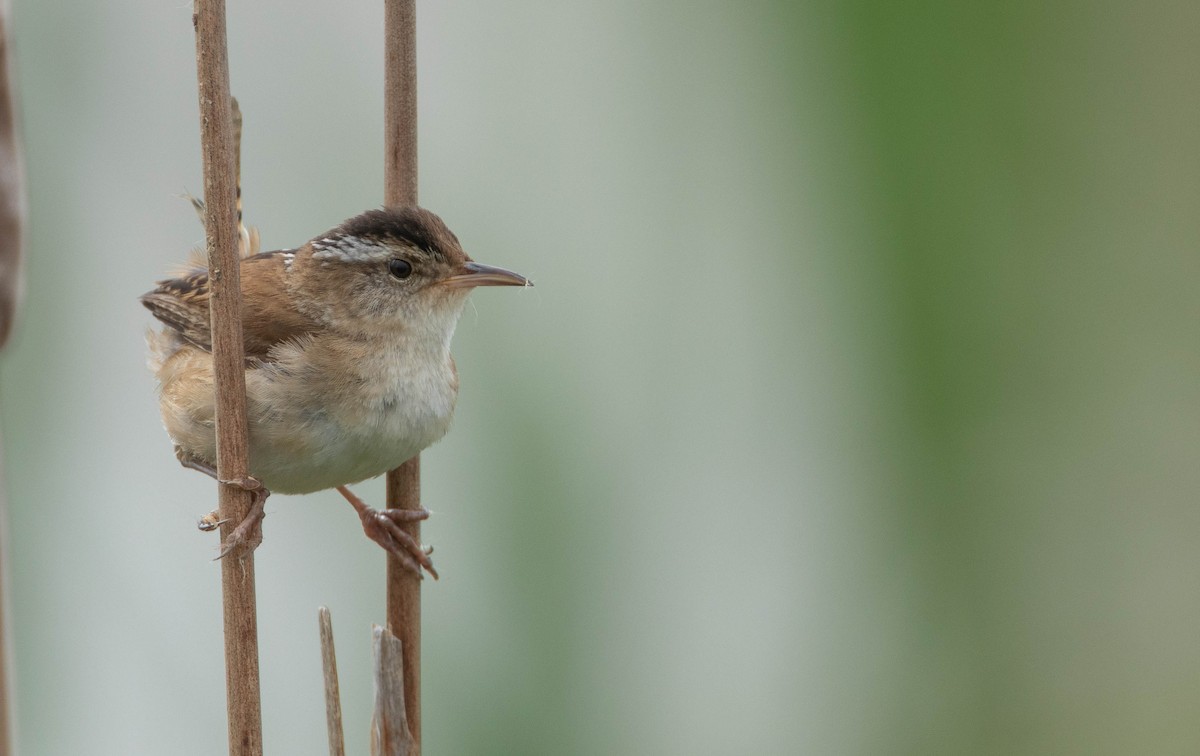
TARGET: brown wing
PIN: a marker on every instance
(182, 304)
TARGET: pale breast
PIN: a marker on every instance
(328, 412)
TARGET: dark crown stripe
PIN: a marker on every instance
(411, 225)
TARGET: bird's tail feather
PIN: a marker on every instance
(248, 239)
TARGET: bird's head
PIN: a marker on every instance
(392, 268)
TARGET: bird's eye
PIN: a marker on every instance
(399, 268)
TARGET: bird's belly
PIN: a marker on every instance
(347, 433)
(334, 459)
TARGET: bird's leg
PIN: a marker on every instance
(249, 532)
(383, 527)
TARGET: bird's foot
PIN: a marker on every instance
(250, 530)
(247, 536)
(383, 527)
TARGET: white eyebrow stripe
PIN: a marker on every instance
(349, 249)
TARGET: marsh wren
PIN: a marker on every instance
(348, 366)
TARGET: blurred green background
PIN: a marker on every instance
(855, 410)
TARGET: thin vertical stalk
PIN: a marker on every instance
(400, 188)
(221, 229)
(400, 102)
(12, 186)
(333, 695)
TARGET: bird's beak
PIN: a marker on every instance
(476, 274)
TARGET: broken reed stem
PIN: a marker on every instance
(221, 231)
(400, 188)
(333, 695)
(12, 221)
(390, 733)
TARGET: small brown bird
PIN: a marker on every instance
(348, 366)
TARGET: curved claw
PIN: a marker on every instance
(210, 521)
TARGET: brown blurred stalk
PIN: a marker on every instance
(12, 218)
(12, 189)
(221, 229)
(400, 188)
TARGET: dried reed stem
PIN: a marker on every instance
(390, 733)
(333, 696)
(400, 188)
(221, 229)
(400, 102)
